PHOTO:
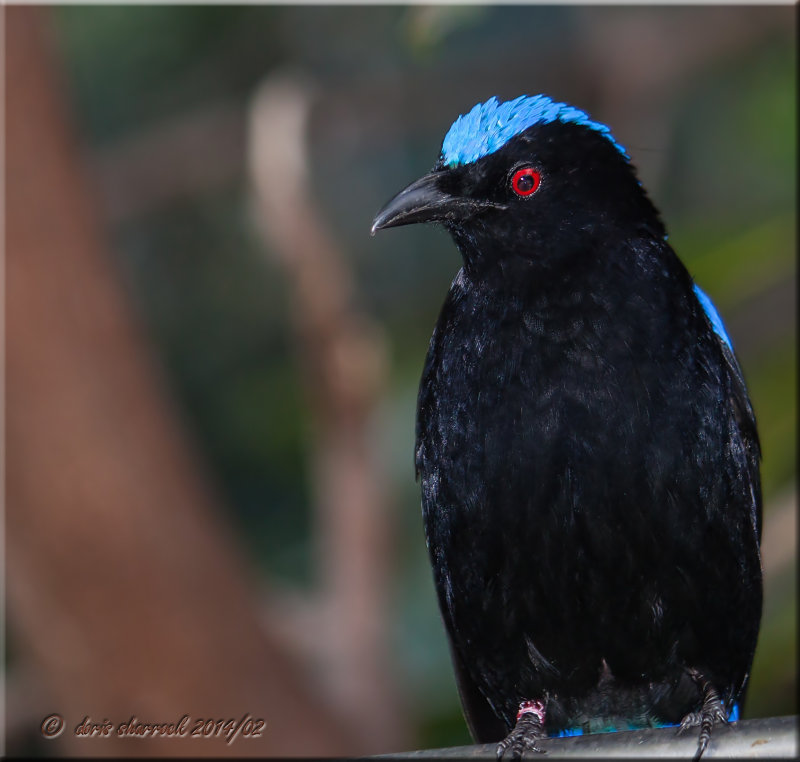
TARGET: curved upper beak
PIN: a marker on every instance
(425, 201)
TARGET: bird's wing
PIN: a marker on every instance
(746, 420)
(739, 399)
(483, 723)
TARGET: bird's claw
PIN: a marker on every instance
(515, 744)
(711, 713)
(694, 719)
(528, 730)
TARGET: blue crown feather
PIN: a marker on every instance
(489, 126)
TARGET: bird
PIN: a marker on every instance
(586, 448)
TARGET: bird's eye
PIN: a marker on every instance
(525, 182)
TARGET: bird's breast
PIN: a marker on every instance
(533, 446)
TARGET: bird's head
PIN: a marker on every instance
(527, 182)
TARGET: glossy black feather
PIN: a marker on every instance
(587, 452)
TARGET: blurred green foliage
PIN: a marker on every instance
(216, 308)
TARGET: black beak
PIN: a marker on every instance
(424, 201)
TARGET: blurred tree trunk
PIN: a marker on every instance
(125, 592)
(343, 363)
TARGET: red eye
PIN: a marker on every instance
(525, 182)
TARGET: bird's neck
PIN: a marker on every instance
(528, 275)
(604, 285)
(514, 262)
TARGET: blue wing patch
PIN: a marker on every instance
(489, 126)
(713, 316)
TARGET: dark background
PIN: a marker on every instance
(157, 110)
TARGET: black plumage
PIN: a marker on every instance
(586, 447)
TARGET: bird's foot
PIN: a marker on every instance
(528, 730)
(711, 712)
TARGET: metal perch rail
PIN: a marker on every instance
(772, 737)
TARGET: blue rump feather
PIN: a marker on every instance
(713, 316)
(732, 717)
(489, 126)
